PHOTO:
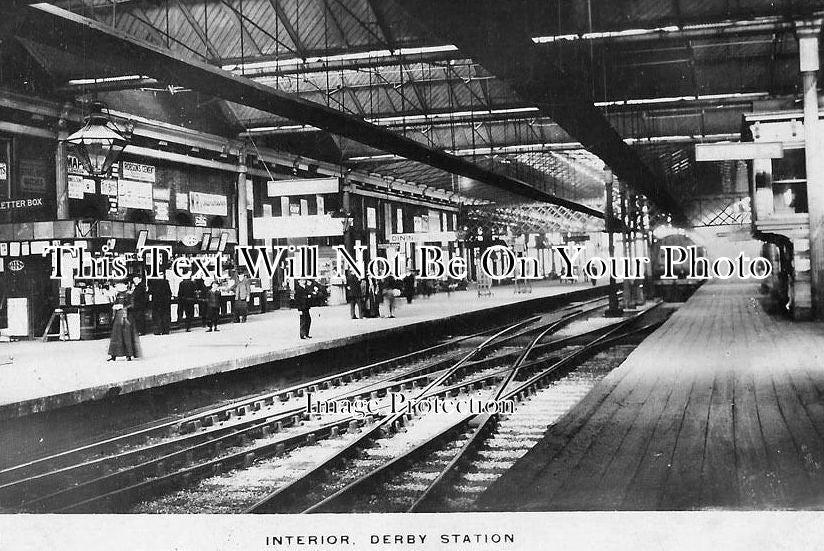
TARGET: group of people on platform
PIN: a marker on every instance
(367, 298)
(133, 299)
(366, 295)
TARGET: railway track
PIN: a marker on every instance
(112, 474)
(447, 470)
(379, 448)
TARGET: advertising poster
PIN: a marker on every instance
(76, 187)
(161, 211)
(411, 275)
(33, 173)
(134, 195)
(207, 203)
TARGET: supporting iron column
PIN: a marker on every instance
(60, 168)
(242, 211)
(346, 201)
(628, 301)
(614, 309)
(808, 33)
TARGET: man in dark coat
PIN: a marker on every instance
(161, 305)
(303, 301)
(409, 286)
(243, 292)
(354, 294)
(186, 298)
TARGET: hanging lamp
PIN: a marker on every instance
(99, 143)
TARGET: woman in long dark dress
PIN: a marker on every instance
(123, 340)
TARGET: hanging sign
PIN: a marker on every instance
(738, 151)
(306, 186)
(16, 265)
(423, 237)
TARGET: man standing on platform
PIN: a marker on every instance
(161, 305)
(243, 291)
(303, 301)
(354, 296)
(186, 298)
(409, 286)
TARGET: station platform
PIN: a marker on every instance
(36, 376)
(721, 407)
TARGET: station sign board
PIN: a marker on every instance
(137, 171)
(744, 151)
(304, 186)
(279, 227)
(423, 237)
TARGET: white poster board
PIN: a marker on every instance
(76, 188)
(73, 325)
(135, 195)
(18, 316)
(208, 203)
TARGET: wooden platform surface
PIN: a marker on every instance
(721, 408)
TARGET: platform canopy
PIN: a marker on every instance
(499, 102)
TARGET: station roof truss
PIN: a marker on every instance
(731, 209)
(531, 218)
(542, 93)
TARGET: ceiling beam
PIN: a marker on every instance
(703, 30)
(77, 34)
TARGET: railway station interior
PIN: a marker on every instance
(631, 129)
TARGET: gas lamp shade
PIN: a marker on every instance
(99, 143)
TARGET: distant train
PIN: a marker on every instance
(672, 240)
